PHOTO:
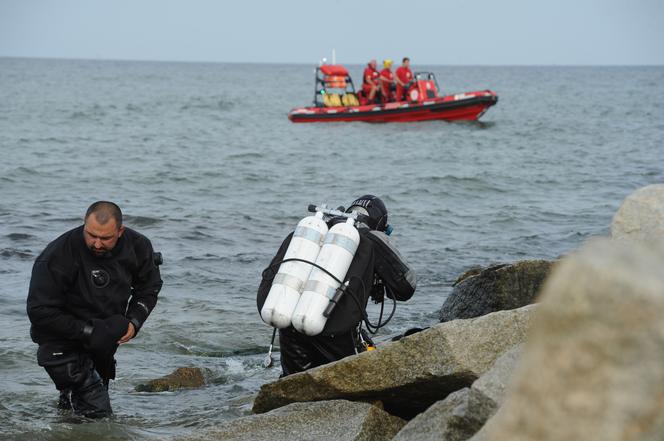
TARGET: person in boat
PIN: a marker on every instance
(91, 290)
(370, 82)
(376, 270)
(403, 76)
(386, 81)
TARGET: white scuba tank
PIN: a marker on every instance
(289, 281)
(340, 245)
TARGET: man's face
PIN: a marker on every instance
(99, 238)
(406, 63)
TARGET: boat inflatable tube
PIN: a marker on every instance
(289, 281)
(335, 256)
(398, 277)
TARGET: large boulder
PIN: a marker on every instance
(181, 378)
(456, 418)
(641, 215)
(593, 368)
(463, 413)
(337, 420)
(410, 374)
(493, 384)
(496, 288)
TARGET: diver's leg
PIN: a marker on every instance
(64, 402)
(329, 348)
(296, 351)
(80, 386)
(90, 397)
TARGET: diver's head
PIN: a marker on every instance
(103, 227)
(373, 208)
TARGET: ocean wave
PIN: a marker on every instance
(206, 256)
(14, 253)
(208, 103)
(197, 235)
(23, 170)
(245, 155)
(133, 108)
(141, 221)
(91, 113)
(19, 237)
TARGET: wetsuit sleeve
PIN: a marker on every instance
(47, 300)
(398, 277)
(146, 285)
(270, 272)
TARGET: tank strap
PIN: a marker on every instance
(341, 241)
(319, 287)
(288, 280)
(308, 234)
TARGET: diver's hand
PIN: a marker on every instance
(131, 332)
(105, 333)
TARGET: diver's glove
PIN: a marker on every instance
(103, 335)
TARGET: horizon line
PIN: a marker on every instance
(22, 57)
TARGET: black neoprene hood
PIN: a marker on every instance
(375, 208)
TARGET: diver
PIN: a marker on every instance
(91, 290)
(376, 271)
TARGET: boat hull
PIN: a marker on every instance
(461, 107)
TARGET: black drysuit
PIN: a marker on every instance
(339, 336)
(74, 294)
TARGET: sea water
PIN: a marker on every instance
(203, 160)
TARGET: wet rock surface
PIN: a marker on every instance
(496, 288)
(181, 378)
(337, 420)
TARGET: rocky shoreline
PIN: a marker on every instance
(535, 350)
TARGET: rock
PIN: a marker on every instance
(181, 378)
(496, 288)
(473, 271)
(592, 367)
(641, 215)
(410, 374)
(482, 434)
(493, 384)
(337, 420)
(463, 413)
(455, 418)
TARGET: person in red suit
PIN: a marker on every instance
(403, 76)
(370, 81)
(386, 81)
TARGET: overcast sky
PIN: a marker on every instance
(493, 32)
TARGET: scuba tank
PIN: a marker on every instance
(288, 283)
(335, 257)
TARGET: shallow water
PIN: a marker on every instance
(203, 160)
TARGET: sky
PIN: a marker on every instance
(440, 32)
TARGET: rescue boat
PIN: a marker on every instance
(335, 99)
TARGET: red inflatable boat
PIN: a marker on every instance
(335, 99)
